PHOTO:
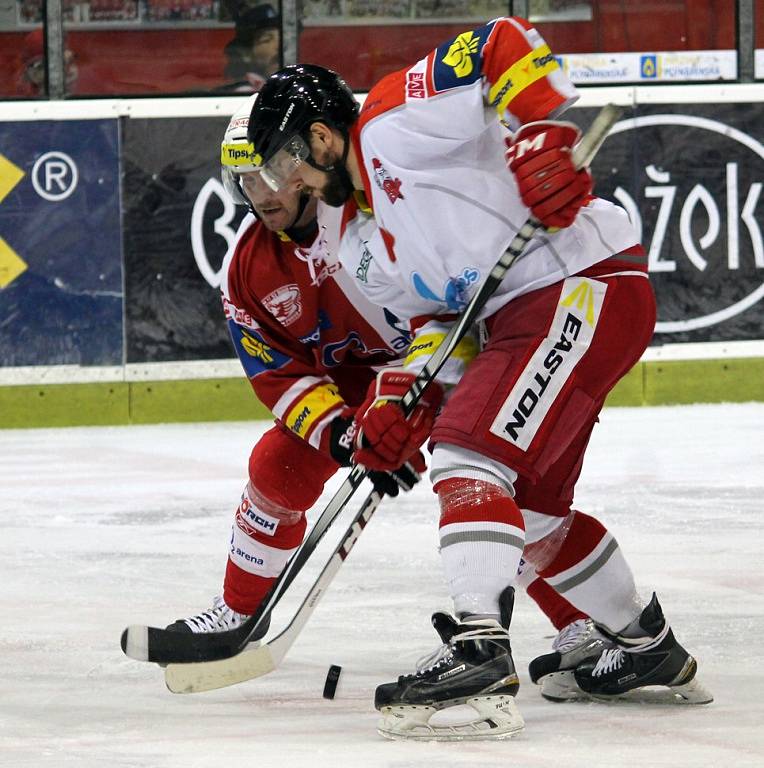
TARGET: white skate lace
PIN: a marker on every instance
(445, 653)
(218, 618)
(569, 637)
(613, 658)
(609, 660)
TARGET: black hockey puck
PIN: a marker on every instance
(332, 678)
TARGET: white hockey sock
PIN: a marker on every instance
(481, 541)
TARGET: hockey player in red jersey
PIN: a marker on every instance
(310, 344)
(572, 316)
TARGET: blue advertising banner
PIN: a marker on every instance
(60, 243)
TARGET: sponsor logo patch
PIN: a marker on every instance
(552, 363)
(415, 85)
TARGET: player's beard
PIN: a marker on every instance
(338, 188)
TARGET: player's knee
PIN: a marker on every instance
(286, 473)
(454, 461)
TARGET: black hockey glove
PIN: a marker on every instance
(404, 478)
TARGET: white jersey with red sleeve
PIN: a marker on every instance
(308, 339)
(431, 144)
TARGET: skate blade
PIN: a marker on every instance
(562, 686)
(658, 695)
(693, 692)
(479, 718)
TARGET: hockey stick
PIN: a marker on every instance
(166, 647)
(262, 659)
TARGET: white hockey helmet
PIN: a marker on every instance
(237, 153)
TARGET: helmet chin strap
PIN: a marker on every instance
(339, 167)
(306, 231)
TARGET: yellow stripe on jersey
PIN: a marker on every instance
(311, 408)
(532, 67)
(466, 349)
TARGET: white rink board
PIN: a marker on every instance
(101, 527)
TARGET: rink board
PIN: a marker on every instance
(665, 382)
(687, 162)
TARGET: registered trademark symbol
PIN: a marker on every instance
(55, 176)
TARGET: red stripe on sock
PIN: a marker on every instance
(474, 501)
(583, 537)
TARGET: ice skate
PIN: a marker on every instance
(218, 618)
(465, 690)
(554, 672)
(640, 669)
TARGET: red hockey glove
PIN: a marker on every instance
(386, 439)
(342, 433)
(539, 155)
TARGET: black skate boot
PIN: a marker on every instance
(463, 691)
(554, 672)
(655, 659)
(218, 618)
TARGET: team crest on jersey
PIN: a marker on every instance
(284, 303)
(256, 355)
(390, 186)
(458, 61)
(460, 54)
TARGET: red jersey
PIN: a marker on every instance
(307, 338)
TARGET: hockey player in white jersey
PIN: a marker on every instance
(310, 358)
(571, 318)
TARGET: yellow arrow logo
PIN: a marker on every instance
(11, 264)
(582, 294)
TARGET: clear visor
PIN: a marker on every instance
(281, 167)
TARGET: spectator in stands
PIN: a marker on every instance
(255, 51)
(31, 77)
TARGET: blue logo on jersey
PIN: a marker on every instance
(402, 341)
(255, 354)
(315, 335)
(456, 289)
(334, 354)
(459, 61)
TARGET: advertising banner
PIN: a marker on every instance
(178, 223)
(690, 176)
(649, 67)
(60, 258)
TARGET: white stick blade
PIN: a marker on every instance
(211, 675)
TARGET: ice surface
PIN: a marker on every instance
(103, 527)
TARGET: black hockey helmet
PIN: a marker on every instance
(291, 100)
